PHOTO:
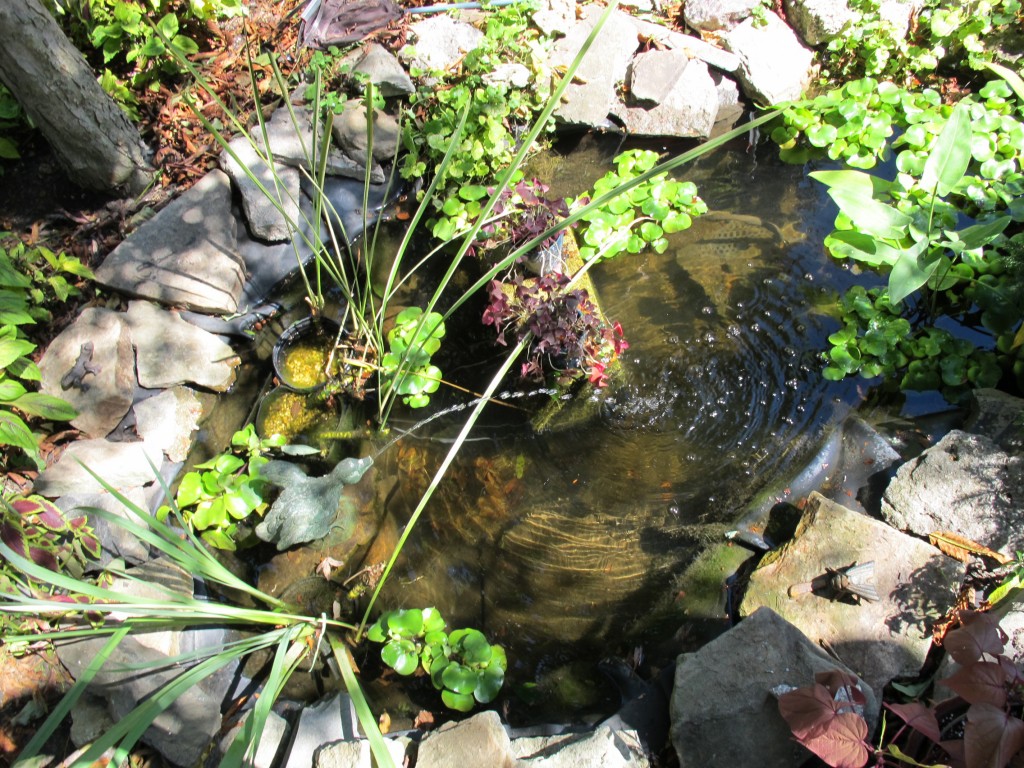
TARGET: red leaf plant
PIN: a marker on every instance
(979, 727)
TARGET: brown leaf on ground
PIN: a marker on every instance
(963, 549)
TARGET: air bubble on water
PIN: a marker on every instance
(808, 277)
(707, 310)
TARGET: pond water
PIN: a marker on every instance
(559, 545)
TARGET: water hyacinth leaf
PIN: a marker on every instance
(405, 623)
(489, 684)
(432, 622)
(401, 656)
(459, 678)
(461, 702)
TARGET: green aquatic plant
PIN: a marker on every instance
(463, 665)
(640, 217)
(226, 490)
(406, 367)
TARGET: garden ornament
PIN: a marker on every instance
(854, 582)
(309, 507)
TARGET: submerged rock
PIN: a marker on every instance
(309, 507)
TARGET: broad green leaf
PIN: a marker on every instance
(459, 678)
(854, 182)
(1012, 78)
(950, 155)
(12, 349)
(14, 431)
(978, 235)
(489, 684)
(46, 406)
(909, 273)
(10, 390)
(461, 702)
(849, 244)
(871, 216)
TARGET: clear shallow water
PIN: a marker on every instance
(559, 544)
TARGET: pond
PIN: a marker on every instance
(566, 544)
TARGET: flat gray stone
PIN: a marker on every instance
(716, 15)
(881, 640)
(439, 42)
(185, 255)
(693, 47)
(330, 720)
(689, 109)
(653, 74)
(554, 18)
(600, 747)
(291, 140)
(98, 347)
(774, 64)
(171, 351)
(592, 94)
(965, 483)
(117, 542)
(818, 21)
(350, 133)
(272, 215)
(268, 751)
(121, 465)
(167, 421)
(385, 71)
(511, 74)
(356, 754)
(724, 714)
(480, 740)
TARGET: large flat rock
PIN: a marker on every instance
(171, 351)
(724, 712)
(880, 640)
(91, 365)
(185, 255)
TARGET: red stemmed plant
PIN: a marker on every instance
(979, 727)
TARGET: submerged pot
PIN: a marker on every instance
(302, 351)
(298, 416)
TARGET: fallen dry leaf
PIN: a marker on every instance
(963, 549)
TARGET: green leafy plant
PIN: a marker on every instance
(908, 228)
(980, 726)
(221, 493)
(267, 625)
(462, 665)
(1013, 581)
(18, 308)
(13, 123)
(36, 529)
(406, 367)
(641, 217)
(53, 277)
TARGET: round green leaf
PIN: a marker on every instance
(401, 656)
(460, 702)
(405, 623)
(459, 678)
(489, 684)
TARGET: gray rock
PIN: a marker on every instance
(888, 638)
(999, 417)
(384, 70)
(714, 15)
(774, 65)
(269, 748)
(291, 140)
(600, 747)
(135, 670)
(103, 389)
(554, 18)
(168, 419)
(121, 465)
(480, 740)
(723, 712)
(966, 484)
(309, 507)
(693, 47)
(356, 754)
(511, 74)
(818, 21)
(185, 255)
(350, 132)
(729, 107)
(116, 541)
(653, 75)
(592, 94)
(688, 109)
(170, 351)
(270, 194)
(439, 42)
(332, 719)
